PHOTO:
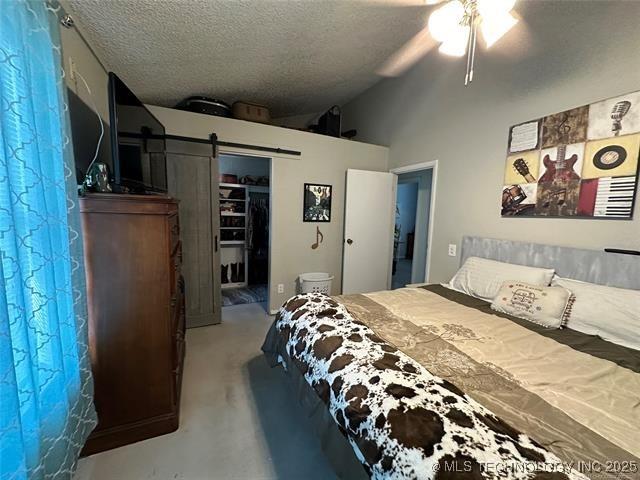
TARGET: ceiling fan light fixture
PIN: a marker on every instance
(456, 44)
(446, 19)
(494, 27)
(456, 24)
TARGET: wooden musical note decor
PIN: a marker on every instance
(319, 239)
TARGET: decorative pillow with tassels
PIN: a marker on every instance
(546, 306)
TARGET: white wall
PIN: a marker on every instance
(561, 55)
(323, 160)
(87, 63)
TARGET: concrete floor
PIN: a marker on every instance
(238, 417)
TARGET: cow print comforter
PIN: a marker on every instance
(402, 421)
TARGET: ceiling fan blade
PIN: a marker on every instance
(409, 54)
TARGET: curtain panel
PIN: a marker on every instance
(46, 396)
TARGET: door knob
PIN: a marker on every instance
(349, 241)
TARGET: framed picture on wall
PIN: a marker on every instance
(580, 163)
(316, 203)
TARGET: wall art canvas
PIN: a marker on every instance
(582, 162)
(317, 203)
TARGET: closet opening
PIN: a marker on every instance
(245, 212)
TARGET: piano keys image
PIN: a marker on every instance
(607, 197)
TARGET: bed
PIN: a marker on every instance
(428, 382)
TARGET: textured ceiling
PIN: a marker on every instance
(295, 56)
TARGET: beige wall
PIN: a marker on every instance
(323, 160)
(74, 48)
(563, 54)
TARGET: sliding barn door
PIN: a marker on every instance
(369, 220)
(192, 174)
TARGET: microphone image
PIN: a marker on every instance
(618, 111)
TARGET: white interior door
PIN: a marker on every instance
(368, 231)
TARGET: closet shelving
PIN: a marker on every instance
(233, 227)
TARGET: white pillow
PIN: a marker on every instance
(483, 278)
(611, 313)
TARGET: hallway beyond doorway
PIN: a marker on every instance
(414, 203)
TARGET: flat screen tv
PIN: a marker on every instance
(137, 142)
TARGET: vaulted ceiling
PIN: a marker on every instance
(295, 56)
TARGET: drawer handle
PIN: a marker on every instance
(175, 229)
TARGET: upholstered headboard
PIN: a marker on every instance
(595, 266)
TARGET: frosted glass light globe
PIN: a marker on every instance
(445, 19)
(456, 43)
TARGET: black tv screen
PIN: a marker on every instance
(138, 142)
(86, 128)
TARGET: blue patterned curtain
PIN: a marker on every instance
(46, 391)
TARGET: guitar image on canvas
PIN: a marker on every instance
(559, 185)
(521, 166)
(560, 170)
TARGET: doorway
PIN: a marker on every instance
(415, 200)
(245, 213)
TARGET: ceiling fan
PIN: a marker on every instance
(454, 25)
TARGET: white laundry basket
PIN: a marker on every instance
(315, 282)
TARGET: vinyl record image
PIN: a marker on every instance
(610, 157)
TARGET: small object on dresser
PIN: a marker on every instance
(97, 178)
(251, 112)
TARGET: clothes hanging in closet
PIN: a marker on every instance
(258, 237)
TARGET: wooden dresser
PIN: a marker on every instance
(136, 304)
